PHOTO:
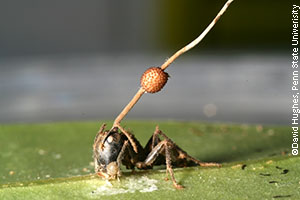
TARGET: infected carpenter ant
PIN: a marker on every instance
(117, 146)
(113, 148)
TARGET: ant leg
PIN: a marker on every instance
(120, 157)
(129, 158)
(152, 142)
(150, 157)
(121, 154)
(101, 131)
(162, 146)
(130, 138)
(155, 139)
(183, 154)
(156, 148)
(100, 134)
(169, 167)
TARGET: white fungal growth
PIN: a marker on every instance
(57, 156)
(41, 152)
(143, 184)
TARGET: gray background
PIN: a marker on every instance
(82, 60)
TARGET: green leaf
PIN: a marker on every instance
(54, 161)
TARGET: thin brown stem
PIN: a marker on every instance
(133, 101)
(141, 91)
(198, 39)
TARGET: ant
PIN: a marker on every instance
(113, 148)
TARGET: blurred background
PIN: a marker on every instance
(82, 60)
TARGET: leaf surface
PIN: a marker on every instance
(54, 161)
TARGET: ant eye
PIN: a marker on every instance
(110, 139)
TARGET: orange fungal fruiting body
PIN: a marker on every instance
(154, 79)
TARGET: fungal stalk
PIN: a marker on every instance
(154, 78)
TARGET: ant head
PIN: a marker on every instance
(106, 153)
